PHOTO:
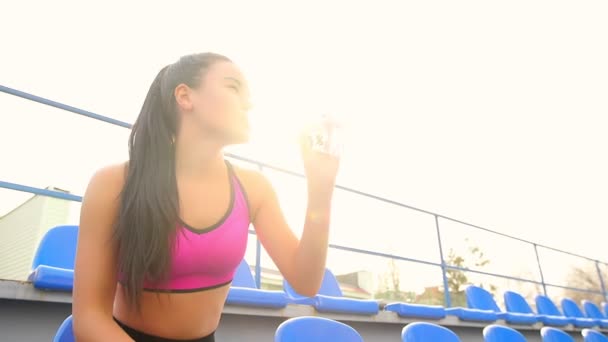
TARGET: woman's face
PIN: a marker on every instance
(218, 107)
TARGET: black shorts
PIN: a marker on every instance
(139, 336)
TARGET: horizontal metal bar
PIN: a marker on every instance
(264, 165)
(463, 269)
(522, 280)
(92, 115)
(380, 254)
(363, 251)
(399, 204)
(485, 229)
(75, 198)
(260, 164)
(40, 191)
(70, 197)
(569, 253)
(65, 107)
(341, 187)
(575, 289)
(515, 238)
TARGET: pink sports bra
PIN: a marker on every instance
(207, 258)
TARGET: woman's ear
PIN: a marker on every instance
(183, 97)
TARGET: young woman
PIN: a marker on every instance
(161, 235)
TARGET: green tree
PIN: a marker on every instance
(457, 279)
(389, 288)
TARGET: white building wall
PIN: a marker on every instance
(21, 230)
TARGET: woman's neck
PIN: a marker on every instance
(198, 159)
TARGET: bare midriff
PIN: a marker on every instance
(173, 315)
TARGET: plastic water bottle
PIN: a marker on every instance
(325, 137)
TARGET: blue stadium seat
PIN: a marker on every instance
(594, 312)
(319, 329)
(426, 332)
(65, 333)
(605, 308)
(416, 310)
(331, 299)
(244, 292)
(470, 314)
(499, 333)
(474, 315)
(593, 336)
(479, 298)
(572, 310)
(53, 264)
(549, 314)
(554, 335)
(517, 303)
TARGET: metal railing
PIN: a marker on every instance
(441, 260)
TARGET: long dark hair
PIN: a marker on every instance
(149, 201)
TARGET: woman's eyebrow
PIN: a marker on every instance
(235, 80)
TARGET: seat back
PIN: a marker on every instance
(320, 329)
(243, 276)
(545, 306)
(499, 333)
(515, 302)
(57, 248)
(571, 309)
(593, 310)
(65, 332)
(479, 298)
(329, 287)
(605, 308)
(425, 332)
(594, 336)
(554, 335)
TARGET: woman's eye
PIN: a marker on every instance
(233, 87)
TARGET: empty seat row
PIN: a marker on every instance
(299, 329)
(53, 269)
(520, 312)
(483, 308)
(325, 330)
(321, 329)
(422, 332)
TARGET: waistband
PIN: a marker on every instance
(139, 336)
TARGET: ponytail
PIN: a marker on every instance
(149, 202)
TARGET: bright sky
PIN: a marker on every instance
(492, 113)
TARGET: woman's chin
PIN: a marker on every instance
(238, 138)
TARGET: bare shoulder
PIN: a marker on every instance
(110, 177)
(256, 185)
(104, 188)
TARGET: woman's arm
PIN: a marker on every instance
(301, 262)
(95, 265)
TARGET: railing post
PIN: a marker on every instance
(599, 274)
(446, 288)
(258, 253)
(540, 269)
(258, 266)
